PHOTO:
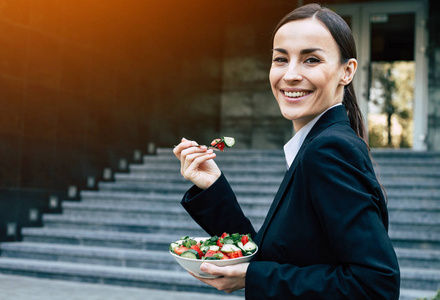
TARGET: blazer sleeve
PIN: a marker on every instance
(216, 209)
(346, 199)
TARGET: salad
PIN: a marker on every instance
(215, 248)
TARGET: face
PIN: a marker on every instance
(306, 75)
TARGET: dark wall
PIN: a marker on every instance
(433, 138)
(85, 83)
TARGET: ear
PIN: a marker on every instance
(349, 71)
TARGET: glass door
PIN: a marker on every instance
(391, 82)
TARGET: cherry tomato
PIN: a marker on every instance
(180, 250)
(236, 254)
(244, 239)
(210, 253)
(220, 146)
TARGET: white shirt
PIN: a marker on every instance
(292, 147)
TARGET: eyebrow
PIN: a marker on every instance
(302, 52)
(284, 51)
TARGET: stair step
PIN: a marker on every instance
(405, 172)
(92, 255)
(137, 199)
(415, 218)
(140, 211)
(274, 179)
(408, 294)
(420, 179)
(130, 195)
(395, 198)
(179, 188)
(418, 258)
(165, 168)
(420, 279)
(420, 194)
(123, 225)
(100, 238)
(413, 205)
(425, 188)
(134, 277)
(415, 239)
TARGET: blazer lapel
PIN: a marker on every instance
(334, 115)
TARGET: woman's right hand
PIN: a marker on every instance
(197, 164)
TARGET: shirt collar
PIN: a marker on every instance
(294, 144)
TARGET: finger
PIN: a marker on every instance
(214, 270)
(179, 148)
(184, 144)
(238, 270)
(189, 156)
(192, 166)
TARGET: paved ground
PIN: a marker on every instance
(28, 288)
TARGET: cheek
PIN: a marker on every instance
(274, 76)
(273, 82)
(330, 77)
(319, 76)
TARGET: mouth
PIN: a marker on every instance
(296, 95)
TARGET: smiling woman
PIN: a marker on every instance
(325, 235)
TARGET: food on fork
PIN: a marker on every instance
(222, 142)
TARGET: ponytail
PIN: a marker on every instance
(354, 113)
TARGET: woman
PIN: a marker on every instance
(325, 236)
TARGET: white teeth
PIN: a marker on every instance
(295, 94)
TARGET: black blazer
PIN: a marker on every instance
(325, 236)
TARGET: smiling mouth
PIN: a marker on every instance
(296, 94)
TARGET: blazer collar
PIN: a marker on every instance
(332, 116)
(335, 115)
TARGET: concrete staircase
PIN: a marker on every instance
(120, 233)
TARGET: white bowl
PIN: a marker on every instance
(193, 265)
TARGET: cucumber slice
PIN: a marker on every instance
(229, 141)
(190, 254)
(249, 247)
(229, 248)
(214, 248)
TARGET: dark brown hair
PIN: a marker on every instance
(341, 33)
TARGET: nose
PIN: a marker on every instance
(292, 73)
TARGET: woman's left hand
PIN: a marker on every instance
(233, 279)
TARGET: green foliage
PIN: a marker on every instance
(391, 104)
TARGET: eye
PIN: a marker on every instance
(312, 60)
(280, 59)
